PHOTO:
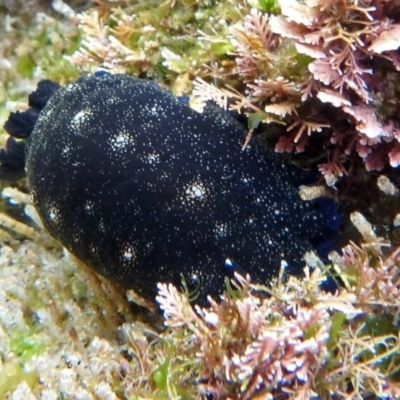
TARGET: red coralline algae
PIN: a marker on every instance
(327, 70)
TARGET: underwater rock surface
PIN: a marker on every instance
(144, 189)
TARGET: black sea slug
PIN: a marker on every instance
(143, 189)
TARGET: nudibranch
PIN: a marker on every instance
(144, 189)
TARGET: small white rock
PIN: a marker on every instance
(386, 186)
(396, 221)
(23, 392)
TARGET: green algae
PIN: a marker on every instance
(11, 375)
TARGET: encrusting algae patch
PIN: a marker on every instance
(58, 330)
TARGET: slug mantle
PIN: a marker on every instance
(144, 189)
